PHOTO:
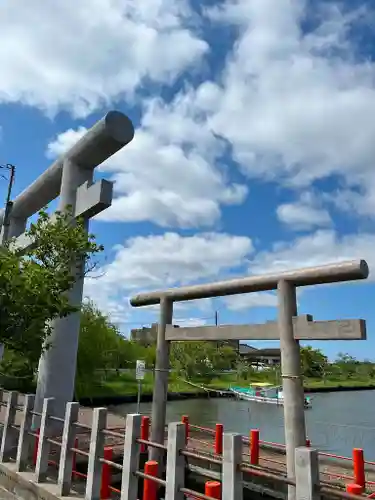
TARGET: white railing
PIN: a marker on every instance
(18, 446)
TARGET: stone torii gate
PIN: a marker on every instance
(71, 177)
(289, 329)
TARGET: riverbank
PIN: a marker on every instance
(112, 400)
(122, 390)
(340, 388)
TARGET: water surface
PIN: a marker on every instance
(337, 422)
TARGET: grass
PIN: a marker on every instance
(333, 383)
(126, 385)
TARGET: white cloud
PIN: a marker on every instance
(86, 57)
(169, 259)
(293, 106)
(319, 248)
(168, 174)
(190, 322)
(64, 141)
(357, 202)
(246, 301)
(304, 214)
(117, 309)
(296, 106)
(156, 262)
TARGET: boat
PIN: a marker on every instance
(262, 392)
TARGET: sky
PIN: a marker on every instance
(254, 146)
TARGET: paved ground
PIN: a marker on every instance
(330, 471)
(85, 414)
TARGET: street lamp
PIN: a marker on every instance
(8, 203)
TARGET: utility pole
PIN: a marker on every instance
(216, 323)
(6, 220)
(8, 202)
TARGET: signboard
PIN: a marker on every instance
(304, 329)
(140, 369)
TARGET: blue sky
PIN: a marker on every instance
(254, 146)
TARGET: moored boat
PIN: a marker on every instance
(262, 392)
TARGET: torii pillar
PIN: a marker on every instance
(71, 178)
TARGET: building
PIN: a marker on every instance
(146, 335)
(235, 344)
(253, 355)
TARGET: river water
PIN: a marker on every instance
(336, 423)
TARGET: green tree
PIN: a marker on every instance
(347, 365)
(313, 362)
(243, 369)
(34, 282)
(197, 360)
(192, 360)
(223, 358)
(274, 374)
(103, 352)
(17, 372)
(100, 348)
(366, 369)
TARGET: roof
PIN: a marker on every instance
(269, 352)
(245, 349)
(258, 353)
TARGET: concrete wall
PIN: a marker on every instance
(21, 485)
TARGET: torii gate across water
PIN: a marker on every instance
(71, 177)
(289, 329)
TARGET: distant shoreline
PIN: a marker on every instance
(145, 398)
(341, 388)
(113, 400)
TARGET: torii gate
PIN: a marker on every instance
(289, 329)
(71, 177)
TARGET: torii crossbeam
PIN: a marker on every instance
(289, 328)
(71, 177)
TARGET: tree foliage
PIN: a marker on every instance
(18, 372)
(103, 351)
(347, 365)
(313, 362)
(243, 369)
(98, 347)
(34, 282)
(200, 359)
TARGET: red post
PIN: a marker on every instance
(185, 420)
(150, 487)
(308, 443)
(359, 467)
(105, 490)
(74, 461)
(219, 439)
(145, 427)
(354, 489)
(254, 447)
(213, 489)
(36, 447)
